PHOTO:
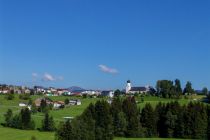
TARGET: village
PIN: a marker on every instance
(76, 92)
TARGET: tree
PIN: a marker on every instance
(66, 101)
(178, 88)
(43, 106)
(164, 88)
(170, 123)
(16, 122)
(30, 102)
(33, 108)
(188, 88)
(149, 120)
(64, 131)
(48, 123)
(9, 96)
(131, 111)
(33, 138)
(117, 93)
(104, 127)
(85, 124)
(26, 121)
(195, 121)
(24, 96)
(116, 108)
(205, 91)
(120, 125)
(8, 118)
(208, 129)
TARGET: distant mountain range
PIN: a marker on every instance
(75, 89)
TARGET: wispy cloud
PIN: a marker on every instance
(107, 69)
(35, 75)
(46, 77)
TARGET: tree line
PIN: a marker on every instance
(123, 118)
(24, 121)
(173, 89)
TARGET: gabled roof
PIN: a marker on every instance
(105, 93)
(138, 89)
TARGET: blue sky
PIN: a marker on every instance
(101, 44)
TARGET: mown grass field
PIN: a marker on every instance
(13, 134)
(73, 111)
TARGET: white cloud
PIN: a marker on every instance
(48, 77)
(107, 69)
(35, 75)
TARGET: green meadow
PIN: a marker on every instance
(14, 134)
(58, 115)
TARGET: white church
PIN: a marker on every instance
(133, 90)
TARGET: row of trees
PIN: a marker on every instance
(20, 121)
(23, 121)
(123, 118)
(173, 89)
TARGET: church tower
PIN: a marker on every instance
(128, 87)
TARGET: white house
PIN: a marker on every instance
(75, 102)
(58, 104)
(109, 94)
(90, 92)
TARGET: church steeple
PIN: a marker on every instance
(128, 87)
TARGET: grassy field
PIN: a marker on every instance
(73, 111)
(14, 134)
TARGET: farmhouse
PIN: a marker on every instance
(58, 104)
(39, 100)
(39, 89)
(90, 92)
(75, 102)
(109, 94)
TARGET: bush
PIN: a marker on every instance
(24, 96)
(66, 101)
(33, 138)
(10, 96)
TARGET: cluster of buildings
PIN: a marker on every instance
(54, 104)
(51, 91)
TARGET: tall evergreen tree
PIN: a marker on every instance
(149, 120)
(134, 128)
(8, 118)
(179, 126)
(27, 123)
(208, 129)
(64, 131)
(170, 124)
(120, 125)
(117, 93)
(48, 123)
(43, 106)
(195, 121)
(33, 108)
(188, 88)
(178, 88)
(205, 91)
(86, 124)
(104, 127)
(160, 111)
(116, 108)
